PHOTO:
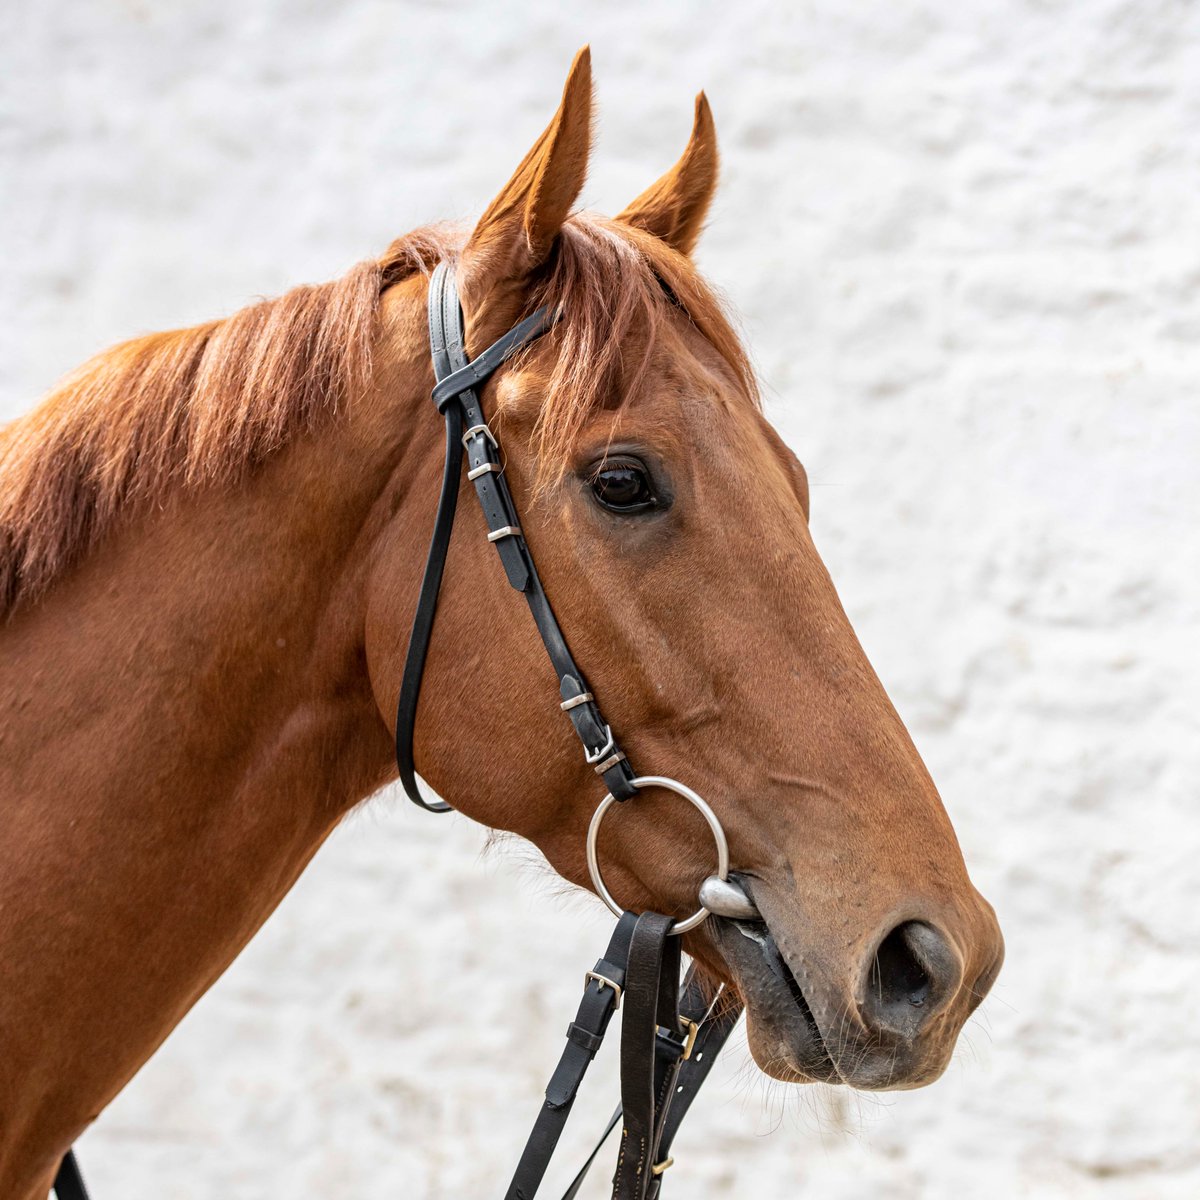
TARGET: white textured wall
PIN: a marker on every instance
(965, 239)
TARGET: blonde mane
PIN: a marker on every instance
(200, 407)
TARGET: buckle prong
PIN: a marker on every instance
(693, 1030)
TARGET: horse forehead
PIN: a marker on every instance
(681, 353)
(687, 397)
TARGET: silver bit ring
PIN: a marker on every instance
(701, 806)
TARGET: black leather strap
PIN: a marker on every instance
(715, 1020)
(68, 1183)
(473, 374)
(446, 359)
(577, 1182)
(674, 1083)
(584, 1035)
(456, 396)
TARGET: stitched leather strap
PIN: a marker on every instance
(456, 396)
(657, 1084)
(715, 1028)
(474, 374)
(649, 1062)
(577, 1182)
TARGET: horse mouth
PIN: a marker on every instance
(775, 1003)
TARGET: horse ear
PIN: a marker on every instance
(674, 208)
(516, 232)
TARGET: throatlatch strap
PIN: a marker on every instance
(457, 398)
(445, 360)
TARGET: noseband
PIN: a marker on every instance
(666, 1054)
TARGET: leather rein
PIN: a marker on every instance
(671, 1033)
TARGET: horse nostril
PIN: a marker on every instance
(913, 973)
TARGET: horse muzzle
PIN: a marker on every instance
(884, 1014)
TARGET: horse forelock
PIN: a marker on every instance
(611, 285)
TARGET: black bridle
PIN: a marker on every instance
(670, 1036)
(671, 1033)
(457, 398)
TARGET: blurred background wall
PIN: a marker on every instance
(965, 244)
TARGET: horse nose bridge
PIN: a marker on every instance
(841, 737)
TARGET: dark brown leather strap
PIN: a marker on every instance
(715, 1019)
(648, 1065)
(715, 1026)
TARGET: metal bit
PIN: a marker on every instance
(727, 898)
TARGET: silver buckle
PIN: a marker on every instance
(475, 431)
(576, 701)
(592, 757)
(483, 469)
(503, 532)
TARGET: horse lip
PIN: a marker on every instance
(800, 1025)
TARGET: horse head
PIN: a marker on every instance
(670, 526)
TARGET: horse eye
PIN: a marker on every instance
(624, 487)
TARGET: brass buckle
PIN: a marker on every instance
(659, 1168)
(693, 1029)
(604, 981)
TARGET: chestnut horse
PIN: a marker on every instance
(210, 549)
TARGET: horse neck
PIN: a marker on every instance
(182, 722)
